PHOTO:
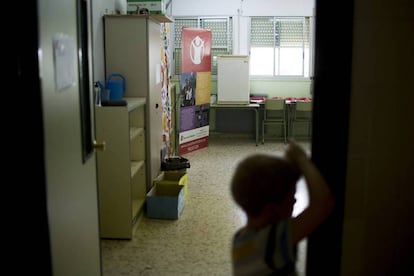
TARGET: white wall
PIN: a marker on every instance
(245, 7)
(241, 9)
(99, 9)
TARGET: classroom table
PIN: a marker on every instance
(252, 106)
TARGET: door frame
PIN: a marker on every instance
(332, 91)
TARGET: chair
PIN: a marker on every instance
(274, 114)
(302, 114)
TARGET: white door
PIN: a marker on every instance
(71, 185)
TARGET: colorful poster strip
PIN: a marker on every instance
(195, 92)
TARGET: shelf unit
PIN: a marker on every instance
(132, 48)
(121, 167)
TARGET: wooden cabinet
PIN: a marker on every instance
(132, 48)
(121, 167)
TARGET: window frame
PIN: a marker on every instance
(307, 48)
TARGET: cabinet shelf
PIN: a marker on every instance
(135, 132)
(135, 102)
(135, 167)
(121, 167)
(137, 205)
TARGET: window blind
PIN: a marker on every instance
(279, 32)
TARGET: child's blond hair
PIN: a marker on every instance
(260, 179)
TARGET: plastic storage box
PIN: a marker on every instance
(173, 178)
(165, 201)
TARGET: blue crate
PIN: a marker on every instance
(165, 201)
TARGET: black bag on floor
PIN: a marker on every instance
(175, 163)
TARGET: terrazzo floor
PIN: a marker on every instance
(198, 243)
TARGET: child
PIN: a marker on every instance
(264, 187)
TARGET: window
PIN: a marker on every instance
(221, 32)
(279, 46)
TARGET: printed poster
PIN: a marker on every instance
(195, 82)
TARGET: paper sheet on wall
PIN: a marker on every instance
(64, 61)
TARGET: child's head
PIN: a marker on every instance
(261, 179)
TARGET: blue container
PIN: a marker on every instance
(116, 85)
(165, 201)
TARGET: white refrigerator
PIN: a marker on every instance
(233, 84)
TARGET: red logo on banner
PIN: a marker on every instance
(196, 50)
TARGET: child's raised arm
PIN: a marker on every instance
(321, 200)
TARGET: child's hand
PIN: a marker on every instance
(295, 153)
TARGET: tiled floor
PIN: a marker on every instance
(198, 243)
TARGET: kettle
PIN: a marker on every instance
(116, 85)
